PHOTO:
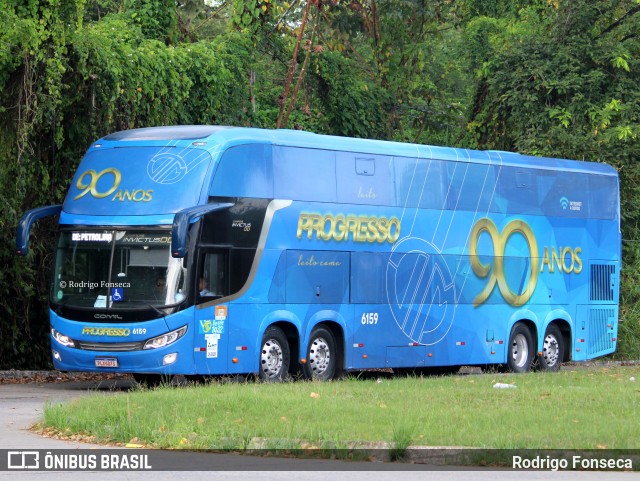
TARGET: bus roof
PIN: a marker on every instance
(144, 176)
(217, 138)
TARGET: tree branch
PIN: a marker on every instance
(292, 65)
(618, 22)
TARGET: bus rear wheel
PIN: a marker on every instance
(521, 350)
(274, 356)
(322, 356)
(552, 349)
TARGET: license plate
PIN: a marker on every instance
(106, 362)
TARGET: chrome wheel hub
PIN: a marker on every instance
(520, 350)
(319, 355)
(550, 350)
(271, 358)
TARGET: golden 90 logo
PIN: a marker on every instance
(88, 184)
(496, 274)
(92, 185)
(566, 259)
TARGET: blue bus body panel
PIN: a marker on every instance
(425, 291)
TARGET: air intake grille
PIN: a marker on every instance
(601, 283)
(110, 346)
(601, 332)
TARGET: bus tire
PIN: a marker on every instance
(274, 356)
(322, 355)
(437, 370)
(521, 349)
(151, 380)
(552, 349)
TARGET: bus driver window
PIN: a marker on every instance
(212, 283)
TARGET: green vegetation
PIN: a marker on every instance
(577, 409)
(543, 77)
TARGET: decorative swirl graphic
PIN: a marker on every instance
(167, 168)
(420, 291)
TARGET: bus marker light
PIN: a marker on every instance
(580, 340)
(493, 352)
(242, 348)
(364, 356)
(235, 360)
(358, 345)
(460, 343)
(413, 344)
(614, 339)
(499, 342)
(430, 355)
(303, 361)
(578, 350)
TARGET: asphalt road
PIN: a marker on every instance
(21, 405)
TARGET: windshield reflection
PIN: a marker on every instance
(116, 269)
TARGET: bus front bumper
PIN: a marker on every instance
(168, 360)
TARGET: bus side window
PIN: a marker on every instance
(213, 279)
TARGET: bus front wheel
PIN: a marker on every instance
(322, 356)
(521, 349)
(274, 355)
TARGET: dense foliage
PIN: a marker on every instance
(544, 77)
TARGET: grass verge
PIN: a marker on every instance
(571, 409)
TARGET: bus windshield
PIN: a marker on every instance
(115, 269)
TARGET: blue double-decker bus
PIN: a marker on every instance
(217, 250)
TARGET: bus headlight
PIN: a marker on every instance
(165, 339)
(62, 339)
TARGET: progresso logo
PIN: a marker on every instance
(106, 331)
(341, 228)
